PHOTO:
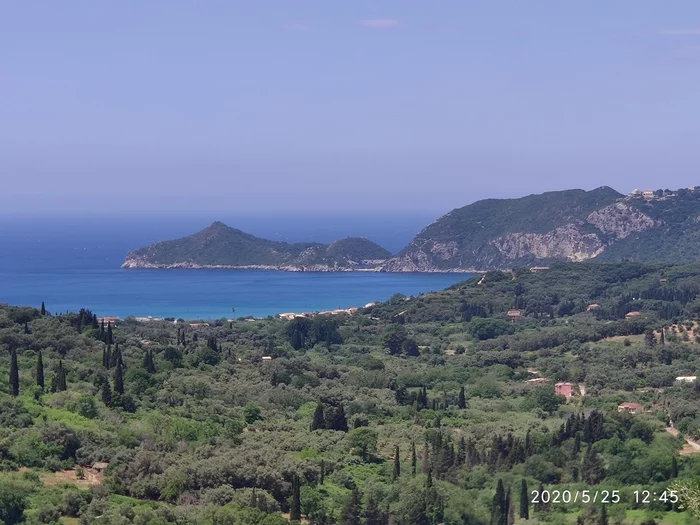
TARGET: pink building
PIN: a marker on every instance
(564, 389)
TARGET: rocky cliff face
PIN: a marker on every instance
(620, 220)
(572, 225)
(565, 243)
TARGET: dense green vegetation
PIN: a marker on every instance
(220, 245)
(413, 411)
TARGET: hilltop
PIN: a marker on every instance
(570, 225)
(656, 226)
(220, 246)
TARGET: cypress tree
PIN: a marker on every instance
(95, 324)
(60, 384)
(148, 363)
(319, 421)
(577, 444)
(295, 510)
(351, 511)
(662, 338)
(323, 472)
(603, 515)
(43, 308)
(110, 335)
(674, 468)
(414, 459)
(14, 374)
(115, 357)
(119, 379)
(373, 515)
(461, 400)
(106, 393)
(524, 501)
(397, 463)
(26, 327)
(40, 371)
(498, 506)
(425, 460)
(102, 330)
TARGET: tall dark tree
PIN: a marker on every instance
(26, 327)
(14, 374)
(650, 338)
(40, 371)
(318, 422)
(414, 459)
(373, 514)
(461, 399)
(102, 331)
(674, 468)
(499, 512)
(43, 308)
(106, 393)
(295, 509)
(110, 335)
(339, 422)
(323, 473)
(397, 463)
(352, 510)
(148, 363)
(425, 460)
(592, 468)
(115, 356)
(59, 383)
(662, 337)
(119, 379)
(524, 501)
(603, 518)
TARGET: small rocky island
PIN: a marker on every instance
(220, 246)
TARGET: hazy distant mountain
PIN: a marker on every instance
(571, 225)
(220, 246)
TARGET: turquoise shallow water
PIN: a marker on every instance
(208, 294)
(74, 263)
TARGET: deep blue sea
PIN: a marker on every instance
(74, 262)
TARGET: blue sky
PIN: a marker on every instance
(311, 106)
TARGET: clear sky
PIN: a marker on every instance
(338, 105)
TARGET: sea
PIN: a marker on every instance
(71, 262)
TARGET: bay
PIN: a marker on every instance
(72, 263)
(208, 294)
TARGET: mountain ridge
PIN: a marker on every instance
(491, 234)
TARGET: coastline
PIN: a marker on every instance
(319, 268)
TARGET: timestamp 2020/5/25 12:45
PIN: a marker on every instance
(605, 497)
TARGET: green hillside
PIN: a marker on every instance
(414, 411)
